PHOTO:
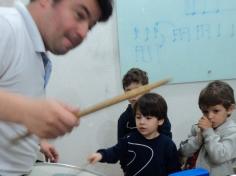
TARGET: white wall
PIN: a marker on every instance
(90, 74)
(6, 2)
(85, 76)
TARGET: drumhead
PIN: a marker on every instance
(58, 169)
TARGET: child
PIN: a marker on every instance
(146, 151)
(215, 134)
(135, 78)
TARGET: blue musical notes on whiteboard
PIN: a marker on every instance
(172, 38)
(202, 7)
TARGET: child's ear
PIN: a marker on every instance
(231, 109)
(160, 122)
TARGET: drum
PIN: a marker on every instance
(56, 169)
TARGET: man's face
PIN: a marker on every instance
(67, 23)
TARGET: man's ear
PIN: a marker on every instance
(44, 3)
(160, 122)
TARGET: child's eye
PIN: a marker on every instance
(148, 117)
(204, 112)
(216, 111)
(138, 117)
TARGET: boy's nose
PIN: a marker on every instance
(142, 120)
(210, 115)
(134, 98)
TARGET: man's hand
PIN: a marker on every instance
(48, 118)
(45, 118)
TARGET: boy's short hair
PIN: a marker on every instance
(216, 93)
(135, 75)
(152, 104)
(106, 7)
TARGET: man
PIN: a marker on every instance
(26, 34)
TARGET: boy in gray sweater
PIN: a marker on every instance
(215, 134)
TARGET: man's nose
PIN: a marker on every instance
(83, 29)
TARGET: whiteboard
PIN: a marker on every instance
(187, 40)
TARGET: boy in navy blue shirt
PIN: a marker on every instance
(135, 78)
(145, 151)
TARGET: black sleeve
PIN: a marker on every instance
(172, 159)
(113, 154)
(166, 128)
(121, 127)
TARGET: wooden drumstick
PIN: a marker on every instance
(120, 98)
(109, 102)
